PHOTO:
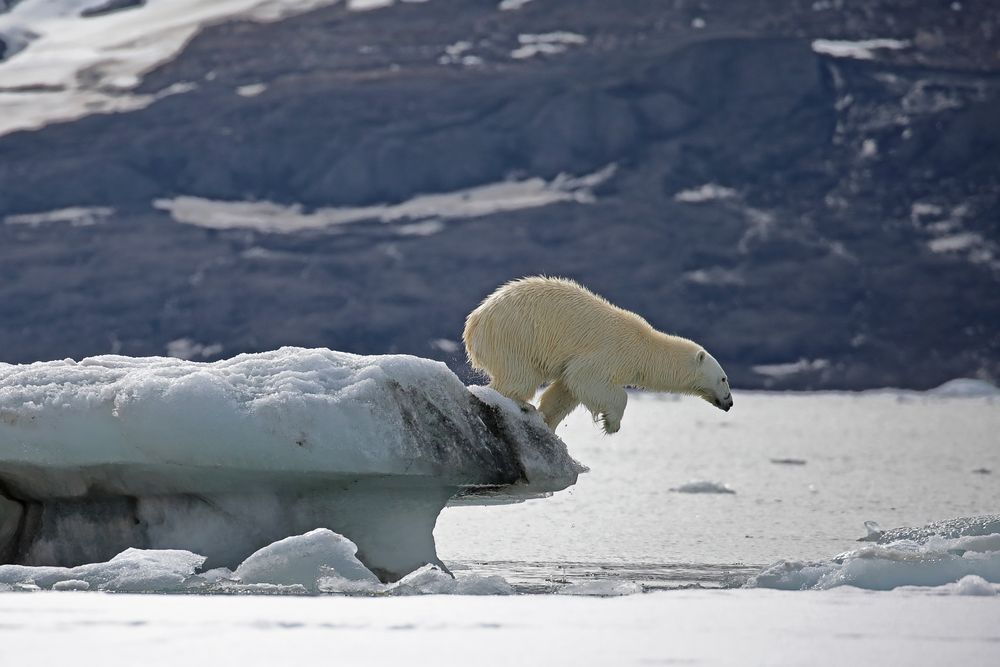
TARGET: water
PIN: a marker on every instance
(897, 458)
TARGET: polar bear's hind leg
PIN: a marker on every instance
(520, 387)
(557, 401)
(605, 401)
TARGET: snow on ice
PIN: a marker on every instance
(221, 459)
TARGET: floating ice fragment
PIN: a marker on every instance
(703, 486)
(131, 571)
(874, 532)
(931, 556)
(432, 580)
(71, 585)
(604, 588)
(303, 559)
(337, 584)
(972, 584)
(475, 584)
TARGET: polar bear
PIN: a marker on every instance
(541, 329)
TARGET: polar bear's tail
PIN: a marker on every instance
(468, 336)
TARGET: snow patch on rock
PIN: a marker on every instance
(66, 65)
(472, 202)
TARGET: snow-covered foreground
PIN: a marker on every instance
(843, 627)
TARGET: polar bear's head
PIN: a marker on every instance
(712, 383)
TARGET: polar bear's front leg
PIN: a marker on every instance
(614, 409)
(605, 401)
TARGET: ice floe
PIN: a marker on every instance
(602, 588)
(703, 486)
(221, 459)
(939, 554)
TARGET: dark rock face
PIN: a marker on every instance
(857, 230)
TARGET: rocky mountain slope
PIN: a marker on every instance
(819, 209)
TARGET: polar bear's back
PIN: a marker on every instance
(543, 323)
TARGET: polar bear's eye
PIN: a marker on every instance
(723, 380)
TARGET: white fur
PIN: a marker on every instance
(539, 329)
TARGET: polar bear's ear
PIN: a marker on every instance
(700, 357)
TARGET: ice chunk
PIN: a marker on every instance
(432, 580)
(874, 532)
(223, 458)
(428, 579)
(703, 486)
(133, 570)
(972, 584)
(935, 555)
(71, 585)
(985, 525)
(303, 559)
(319, 561)
(602, 588)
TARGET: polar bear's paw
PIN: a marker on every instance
(609, 424)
